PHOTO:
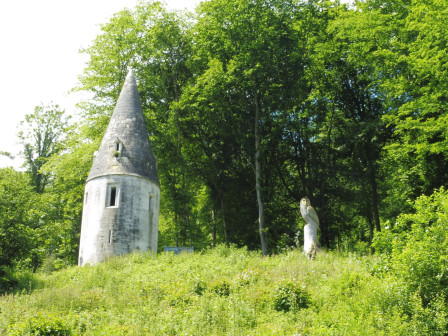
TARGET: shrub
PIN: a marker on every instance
(88, 300)
(42, 325)
(221, 288)
(13, 280)
(7, 279)
(247, 277)
(418, 244)
(290, 295)
(199, 286)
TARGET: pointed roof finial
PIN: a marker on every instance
(128, 125)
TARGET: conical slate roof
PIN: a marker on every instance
(125, 148)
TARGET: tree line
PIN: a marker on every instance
(250, 106)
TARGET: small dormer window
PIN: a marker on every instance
(118, 146)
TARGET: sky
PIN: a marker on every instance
(39, 55)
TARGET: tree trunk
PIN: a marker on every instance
(374, 191)
(213, 228)
(176, 233)
(182, 217)
(224, 224)
(258, 177)
(369, 219)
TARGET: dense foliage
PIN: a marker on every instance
(222, 291)
(250, 106)
(415, 248)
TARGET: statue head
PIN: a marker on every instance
(305, 201)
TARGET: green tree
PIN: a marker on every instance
(59, 211)
(348, 70)
(40, 135)
(16, 200)
(253, 105)
(419, 150)
(253, 49)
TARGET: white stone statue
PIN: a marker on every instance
(310, 230)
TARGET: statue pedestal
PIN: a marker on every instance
(310, 240)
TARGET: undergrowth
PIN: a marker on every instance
(223, 291)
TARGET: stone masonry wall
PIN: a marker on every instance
(130, 224)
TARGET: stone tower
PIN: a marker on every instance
(122, 193)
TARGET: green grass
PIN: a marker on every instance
(224, 291)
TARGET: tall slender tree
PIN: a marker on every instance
(41, 135)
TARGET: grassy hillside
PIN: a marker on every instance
(224, 291)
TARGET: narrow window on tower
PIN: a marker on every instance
(150, 202)
(86, 198)
(118, 146)
(110, 236)
(150, 208)
(112, 196)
